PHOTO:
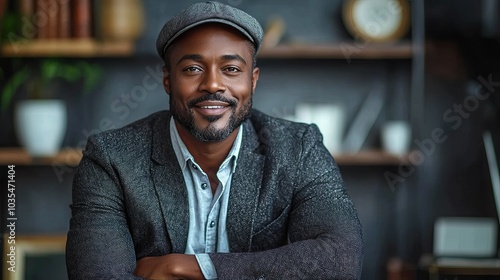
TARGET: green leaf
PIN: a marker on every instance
(13, 86)
(47, 71)
(92, 75)
(10, 23)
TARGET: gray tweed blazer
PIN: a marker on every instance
(289, 215)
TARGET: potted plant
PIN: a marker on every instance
(40, 121)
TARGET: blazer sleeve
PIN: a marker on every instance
(325, 236)
(99, 244)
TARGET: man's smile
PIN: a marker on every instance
(212, 108)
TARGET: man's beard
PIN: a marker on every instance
(210, 133)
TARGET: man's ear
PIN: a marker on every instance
(255, 77)
(166, 80)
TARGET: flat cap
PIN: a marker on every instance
(206, 12)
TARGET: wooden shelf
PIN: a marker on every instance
(464, 266)
(93, 48)
(338, 51)
(371, 158)
(19, 156)
(72, 157)
(68, 48)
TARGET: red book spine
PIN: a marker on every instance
(82, 21)
(52, 14)
(3, 7)
(27, 10)
(41, 19)
(46, 18)
(26, 7)
(64, 20)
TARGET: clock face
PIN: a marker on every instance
(377, 20)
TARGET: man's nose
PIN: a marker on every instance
(212, 82)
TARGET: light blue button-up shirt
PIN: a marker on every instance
(207, 212)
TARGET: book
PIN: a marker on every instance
(96, 19)
(40, 21)
(64, 20)
(82, 18)
(46, 18)
(27, 10)
(52, 13)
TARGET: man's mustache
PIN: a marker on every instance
(212, 97)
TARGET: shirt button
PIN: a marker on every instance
(204, 185)
(212, 224)
(194, 166)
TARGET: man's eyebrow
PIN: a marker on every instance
(234, 57)
(198, 57)
(195, 57)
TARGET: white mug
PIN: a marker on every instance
(395, 136)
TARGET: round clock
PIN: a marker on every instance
(377, 20)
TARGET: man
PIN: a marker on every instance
(212, 189)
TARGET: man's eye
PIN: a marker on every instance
(232, 69)
(192, 69)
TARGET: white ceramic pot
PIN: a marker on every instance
(330, 119)
(41, 125)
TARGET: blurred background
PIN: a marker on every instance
(402, 91)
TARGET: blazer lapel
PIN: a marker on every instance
(169, 185)
(245, 188)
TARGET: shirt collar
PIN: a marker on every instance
(184, 156)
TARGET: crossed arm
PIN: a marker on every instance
(171, 266)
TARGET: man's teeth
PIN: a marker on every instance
(212, 107)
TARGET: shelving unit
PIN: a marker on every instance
(68, 48)
(341, 50)
(93, 48)
(72, 157)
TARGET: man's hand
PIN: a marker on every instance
(169, 267)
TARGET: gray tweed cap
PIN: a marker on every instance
(206, 12)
